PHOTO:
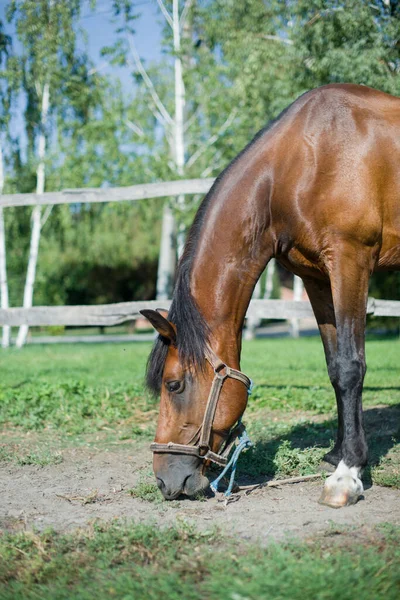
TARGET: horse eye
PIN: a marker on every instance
(175, 386)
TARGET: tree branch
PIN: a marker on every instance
(277, 38)
(135, 128)
(156, 99)
(166, 14)
(46, 215)
(190, 120)
(185, 12)
(208, 170)
(212, 139)
(94, 70)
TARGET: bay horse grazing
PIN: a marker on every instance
(319, 190)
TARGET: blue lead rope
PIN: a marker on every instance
(244, 443)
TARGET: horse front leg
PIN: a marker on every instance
(350, 269)
(320, 295)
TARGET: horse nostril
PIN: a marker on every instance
(185, 480)
(160, 483)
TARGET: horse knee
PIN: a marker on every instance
(348, 374)
(332, 372)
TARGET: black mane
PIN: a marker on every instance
(192, 330)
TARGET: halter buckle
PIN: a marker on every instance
(222, 371)
(203, 449)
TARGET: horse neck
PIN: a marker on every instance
(234, 246)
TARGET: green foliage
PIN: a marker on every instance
(348, 41)
(258, 62)
(105, 254)
(47, 33)
(42, 459)
(9, 81)
(243, 62)
(126, 560)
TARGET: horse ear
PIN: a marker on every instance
(161, 324)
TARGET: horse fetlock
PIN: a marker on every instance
(343, 488)
(333, 457)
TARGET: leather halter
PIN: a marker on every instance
(199, 445)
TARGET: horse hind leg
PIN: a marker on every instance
(349, 271)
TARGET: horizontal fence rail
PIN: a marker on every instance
(116, 194)
(116, 314)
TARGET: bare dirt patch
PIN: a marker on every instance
(90, 484)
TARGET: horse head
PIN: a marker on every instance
(199, 407)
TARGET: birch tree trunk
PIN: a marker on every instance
(252, 321)
(5, 340)
(298, 288)
(169, 236)
(36, 216)
(269, 279)
(167, 257)
(179, 140)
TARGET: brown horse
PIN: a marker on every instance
(319, 189)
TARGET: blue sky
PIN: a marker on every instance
(100, 31)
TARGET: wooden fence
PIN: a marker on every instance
(117, 194)
(115, 314)
(106, 315)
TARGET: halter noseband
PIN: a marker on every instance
(200, 444)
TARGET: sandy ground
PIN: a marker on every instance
(54, 496)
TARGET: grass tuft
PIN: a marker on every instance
(146, 491)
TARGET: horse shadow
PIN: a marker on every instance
(382, 427)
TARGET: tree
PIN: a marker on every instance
(188, 115)
(8, 83)
(185, 122)
(5, 342)
(347, 41)
(98, 252)
(50, 68)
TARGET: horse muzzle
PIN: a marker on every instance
(179, 474)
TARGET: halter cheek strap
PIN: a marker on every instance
(200, 444)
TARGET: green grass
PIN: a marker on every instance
(78, 393)
(387, 470)
(41, 457)
(143, 562)
(69, 386)
(291, 374)
(107, 365)
(147, 491)
(76, 389)
(81, 389)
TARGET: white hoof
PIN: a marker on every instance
(342, 488)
